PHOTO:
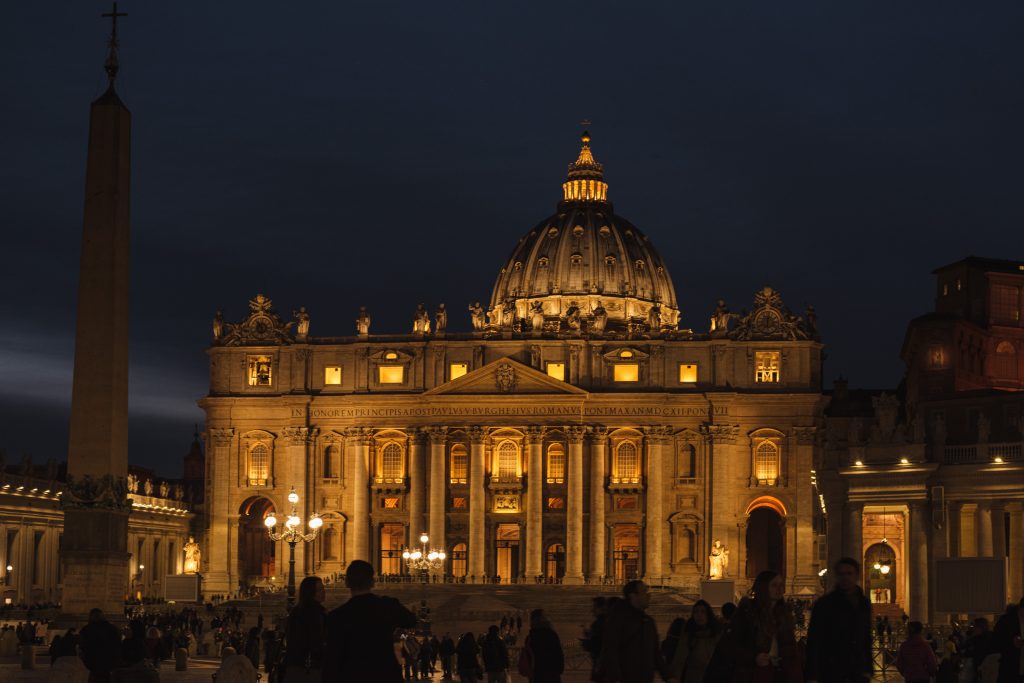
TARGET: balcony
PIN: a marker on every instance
(505, 483)
(389, 484)
(982, 453)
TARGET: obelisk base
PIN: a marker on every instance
(96, 563)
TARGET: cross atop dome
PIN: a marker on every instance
(586, 177)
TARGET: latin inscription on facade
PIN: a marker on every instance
(512, 411)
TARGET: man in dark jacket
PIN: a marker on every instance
(630, 651)
(495, 656)
(100, 644)
(1008, 641)
(360, 633)
(839, 636)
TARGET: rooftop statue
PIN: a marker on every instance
(572, 316)
(218, 325)
(600, 319)
(421, 321)
(654, 319)
(476, 314)
(302, 322)
(440, 319)
(537, 317)
(363, 322)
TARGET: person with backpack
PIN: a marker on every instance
(690, 653)
(541, 660)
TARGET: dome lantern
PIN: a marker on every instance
(586, 177)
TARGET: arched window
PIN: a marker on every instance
(328, 542)
(766, 463)
(556, 463)
(458, 559)
(627, 463)
(332, 462)
(259, 465)
(391, 462)
(508, 461)
(460, 464)
(1004, 362)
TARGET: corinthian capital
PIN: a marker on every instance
(221, 436)
(534, 434)
(576, 433)
(722, 433)
(805, 435)
(299, 436)
(477, 434)
(437, 434)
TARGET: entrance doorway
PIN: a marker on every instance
(766, 543)
(256, 552)
(392, 539)
(506, 564)
(554, 562)
(458, 557)
(626, 551)
(880, 571)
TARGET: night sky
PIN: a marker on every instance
(334, 155)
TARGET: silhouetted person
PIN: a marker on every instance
(495, 656)
(305, 634)
(548, 660)
(100, 644)
(594, 636)
(447, 651)
(360, 633)
(1008, 641)
(631, 651)
(839, 636)
(695, 645)
(728, 610)
(466, 658)
(916, 659)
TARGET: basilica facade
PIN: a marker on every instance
(577, 434)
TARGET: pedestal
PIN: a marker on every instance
(95, 563)
(718, 592)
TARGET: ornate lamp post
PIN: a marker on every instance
(291, 535)
(423, 560)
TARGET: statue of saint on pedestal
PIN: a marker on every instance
(600, 319)
(192, 556)
(440, 319)
(421, 321)
(537, 317)
(218, 326)
(718, 561)
(363, 322)
(302, 322)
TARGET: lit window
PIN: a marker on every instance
(459, 503)
(556, 503)
(332, 375)
(625, 503)
(556, 463)
(391, 503)
(936, 357)
(457, 370)
(260, 371)
(626, 468)
(391, 374)
(687, 373)
(626, 372)
(391, 462)
(460, 461)
(945, 289)
(259, 465)
(766, 463)
(626, 354)
(557, 370)
(390, 355)
(767, 366)
(508, 461)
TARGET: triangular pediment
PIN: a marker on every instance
(505, 376)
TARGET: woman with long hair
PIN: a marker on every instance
(466, 661)
(305, 634)
(695, 645)
(759, 645)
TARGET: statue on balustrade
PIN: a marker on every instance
(440, 319)
(537, 317)
(363, 322)
(302, 322)
(476, 314)
(600, 319)
(572, 316)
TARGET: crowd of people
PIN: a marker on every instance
(375, 638)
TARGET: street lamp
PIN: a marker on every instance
(291, 535)
(423, 560)
(7, 576)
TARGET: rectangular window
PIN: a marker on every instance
(936, 357)
(556, 370)
(457, 370)
(332, 375)
(625, 503)
(688, 373)
(391, 374)
(557, 503)
(260, 371)
(391, 503)
(766, 364)
(1005, 305)
(459, 503)
(626, 372)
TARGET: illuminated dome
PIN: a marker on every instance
(584, 258)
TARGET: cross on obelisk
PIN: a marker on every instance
(111, 65)
(95, 502)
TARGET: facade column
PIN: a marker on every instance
(983, 526)
(358, 529)
(417, 494)
(220, 560)
(598, 460)
(1015, 578)
(918, 565)
(535, 502)
(804, 560)
(477, 503)
(436, 526)
(854, 536)
(999, 530)
(654, 524)
(953, 520)
(292, 474)
(574, 508)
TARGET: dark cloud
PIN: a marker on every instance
(333, 155)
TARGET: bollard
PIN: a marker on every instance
(226, 652)
(181, 659)
(28, 656)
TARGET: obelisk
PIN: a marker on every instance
(95, 500)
